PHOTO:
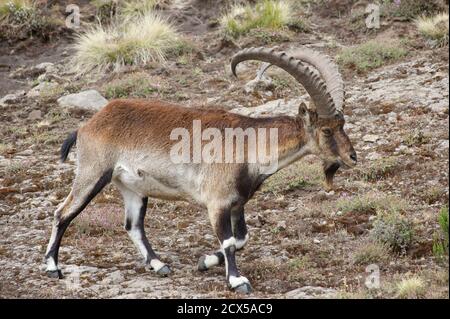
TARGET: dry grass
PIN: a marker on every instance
(371, 253)
(135, 42)
(269, 14)
(434, 28)
(411, 288)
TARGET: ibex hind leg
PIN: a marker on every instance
(240, 233)
(135, 210)
(85, 188)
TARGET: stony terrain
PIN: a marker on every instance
(302, 240)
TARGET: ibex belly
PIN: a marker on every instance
(171, 183)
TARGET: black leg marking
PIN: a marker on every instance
(64, 222)
(223, 228)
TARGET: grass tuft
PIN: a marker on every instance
(267, 14)
(371, 253)
(411, 288)
(441, 242)
(434, 28)
(137, 42)
(370, 55)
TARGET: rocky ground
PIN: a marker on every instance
(304, 242)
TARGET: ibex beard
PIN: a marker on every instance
(135, 144)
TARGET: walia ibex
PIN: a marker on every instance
(130, 143)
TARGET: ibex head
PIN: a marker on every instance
(324, 119)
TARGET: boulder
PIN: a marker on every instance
(12, 98)
(310, 292)
(89, 100)
(272, 108)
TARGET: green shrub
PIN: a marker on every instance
(409, 9)
(440, 245)
(21, 18)
(137, 85)
(394, 230)
(269, 14)
(370, 55)
(378, 169)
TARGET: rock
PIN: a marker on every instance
(272, 108)
(113, 278)
(281, 225)
(12, 98)
(258, 84)
(41, 87)
(35, 115)
(89, 100)
(371, 138)
(439, 107)
(310, 292)
(443, 145)
(373, 156)
(41, 68)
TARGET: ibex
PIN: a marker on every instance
(128, 143)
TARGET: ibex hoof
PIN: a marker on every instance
(57, 274)
(202, 264)
(244, 288)
(164, 271)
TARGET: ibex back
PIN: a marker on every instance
(130, 144)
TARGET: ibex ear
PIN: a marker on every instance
(302, 109)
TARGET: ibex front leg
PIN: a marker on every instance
(221, 222)
(240, 233)
(135, 209)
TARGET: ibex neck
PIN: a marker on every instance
(292, 139)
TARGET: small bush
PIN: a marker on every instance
(440, 245)
(393, 230)
(135, 8)
(409, 9)
(378, 169)
(21, 19)
(139, 41)
(137, 85)
(370, 253)
(434, 28)
(269, 14)
(411, 288)
(371, 204)
(370, 55)
(416, 138)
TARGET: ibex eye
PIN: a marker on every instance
(327, 131)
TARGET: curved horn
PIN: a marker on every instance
(329, 72)
(310, 80)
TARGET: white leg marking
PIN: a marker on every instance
(136, 237)
(51, 265)
(229, 242)
(236, 281)
(156, 264)
(211, 260)
(241, 242)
